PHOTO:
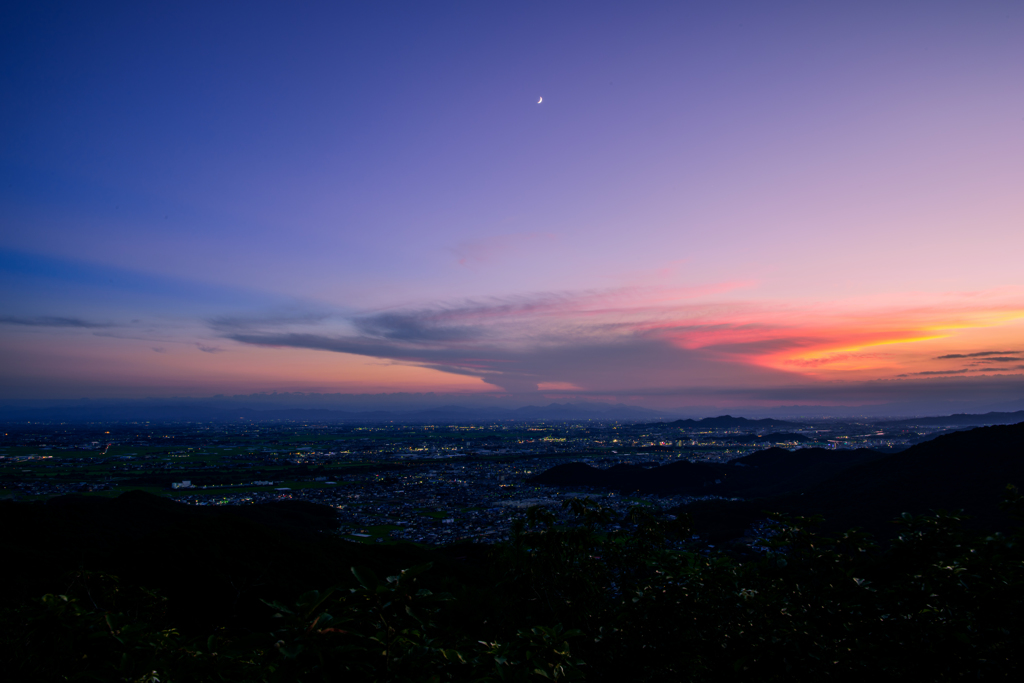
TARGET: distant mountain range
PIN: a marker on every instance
(959, 420)
(730, 422)
(198, 412)
(233, 409)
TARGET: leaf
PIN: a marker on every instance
(411, 613)
(278, 606)
(291, 652)
(366, 578)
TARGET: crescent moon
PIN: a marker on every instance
(540, 100)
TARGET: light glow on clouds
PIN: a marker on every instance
(568, 343)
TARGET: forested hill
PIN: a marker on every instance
(966, 470)
(730, 422)
(214, 562)
(770, 472)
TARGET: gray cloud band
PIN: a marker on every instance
(52, 321)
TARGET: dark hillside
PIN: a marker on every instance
(966, 470)
(211, 562)
(776, 470)
(769, 472)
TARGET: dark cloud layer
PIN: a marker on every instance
(415, 327)
(242, 323)
(52, 321)
(934, 372)
(979, 354)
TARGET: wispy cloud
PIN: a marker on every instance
(209, 349)
(52, 321)
(926, 373)
(417, 327)
(229, 323)
(979, 354)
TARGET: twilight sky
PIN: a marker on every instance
(717, 203)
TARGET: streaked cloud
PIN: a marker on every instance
(273, 320)
(933, 372)
(209, 349)
(52, 321)
(979, 354)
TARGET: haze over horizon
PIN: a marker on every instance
(715, 204)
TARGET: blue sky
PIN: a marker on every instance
(712, 197)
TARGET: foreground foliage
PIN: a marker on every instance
(574, 602)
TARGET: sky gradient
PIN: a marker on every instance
(728, 203)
